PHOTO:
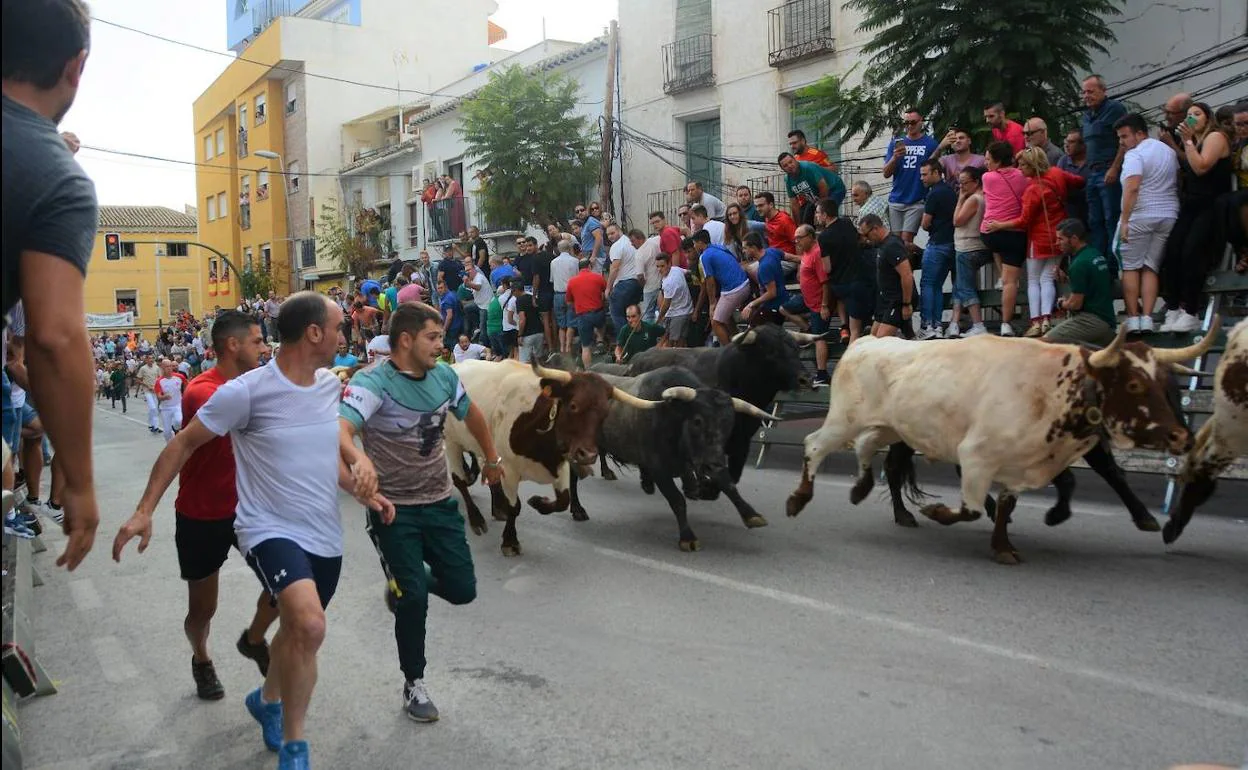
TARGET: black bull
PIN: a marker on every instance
(899, 471)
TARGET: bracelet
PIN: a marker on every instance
(496, 462)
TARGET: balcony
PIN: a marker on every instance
(687, 64)
(307, 253)
(798, 30)
(446, 219)
(408, 141)
(242, 143)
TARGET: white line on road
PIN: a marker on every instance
(84, 594)
(114, 662)
(122, 416)
(1226, 707)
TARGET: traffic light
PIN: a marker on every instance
(112, 245)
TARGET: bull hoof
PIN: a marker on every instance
(939, 513)
(647, 486)
(608, 475)
(905, 519)
(794, 505)
(478, 525)
(1056, 515)
(755, 521)
(1009, 558)
(542, 505)
(1147, 523)
(1170, 532)
(511, 549)
(862, 488)
(579, 514)
(690, 545)
(990, 507)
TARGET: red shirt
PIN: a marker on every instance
(585, 291)
(669, 241)
(815, 155)
(811, 276)
(206, 483)
(780, 232)
(1013, 133)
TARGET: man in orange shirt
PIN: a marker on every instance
(587, 295)
(803, 151)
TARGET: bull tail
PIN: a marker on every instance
(900, 469)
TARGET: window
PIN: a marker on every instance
(177, 249)
(702, 149)
(127, 249)
(816, 136)
(413, 211)
(179, 300)
(247, 259)
(307, 252)
(292, 102)
(260, 112)
(292, 173)
(208, 147)
(220, 141)
(266, 257)
(223, 210)
(262, 185)
(242, 117)
(211, 207)
(127, 301)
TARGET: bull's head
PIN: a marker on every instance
(580, 404)
(773, 351)
(1136, 380)
(706, 417)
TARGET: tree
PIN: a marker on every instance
(352, 250)
(950, 58)
(538, 153)
(255, 284)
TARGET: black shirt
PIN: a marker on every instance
(452, 272)
(839, 243)
(940, 203)
(524, 263)
(481, 253)
(890, 254)
(541, 268)
(49, 201)
(527, 310)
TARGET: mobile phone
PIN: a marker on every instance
(1190, 121)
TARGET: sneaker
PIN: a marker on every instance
(1172, 315)
(31, 522)
(1006, 330)
(1185, 322)
(36, 507)
(1045, 326)
(1034, 330)
(294, 756)
(207, 685)
(953, 331)
(999, 285)
(269, 715)
(15, 528)
(1132, 323)
(1145, 324)
(975, 331)
(257, 652)
(844, 336)
(416, 702)
(926, 333)
(822, 380)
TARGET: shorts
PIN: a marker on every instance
(203, 545)
(677, 327)
(857, 297)
(730, 302)
(888, 311)
(586, 323)
(531, 347)
(818, 325)
(503, 343)
(1010, 244)
(545, 299)
(905, 217)
(1146, 244)
(564, 317)
(278, 562)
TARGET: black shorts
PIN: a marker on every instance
(203, 545)
(1010, 244)
(278, 562)
(888, 311)
(857, 298)
(545, 299)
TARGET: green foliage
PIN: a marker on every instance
(352, 250)
(255, 283)
(950, 58)
(540, 155)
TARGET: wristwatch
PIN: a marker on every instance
(496, 462)
(905, 304)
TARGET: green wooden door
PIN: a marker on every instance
(702, 151)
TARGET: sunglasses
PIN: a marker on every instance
(1029, 133)
(910, 122)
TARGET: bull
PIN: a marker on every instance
(1012, 411)
(686, 434)
(540, 419)
(1222, 438)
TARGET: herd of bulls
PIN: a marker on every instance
(1011, 412)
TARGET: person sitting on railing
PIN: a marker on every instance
(695, 195)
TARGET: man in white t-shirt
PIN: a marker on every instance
(562, 269)
(482, 294)
(624, 278)
(169, 395)
(467, 350)
(647, 250)
(1150, 206)
(291, 459)
(700, 220)
(675, 304)
(147, 375)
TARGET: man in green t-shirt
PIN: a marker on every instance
(400, 406)
(636, 336)
(1091, 298)
(808, 183)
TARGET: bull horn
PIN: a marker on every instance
(741, 406)
(624, 397)
(804, 338)
(554, 374)
(745, 338)
(679, 393)
(1181, 369)
(1178, 355)
(1107, 358)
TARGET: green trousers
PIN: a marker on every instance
(1081, 327)
(422, 535)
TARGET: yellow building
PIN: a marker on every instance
(157, 273)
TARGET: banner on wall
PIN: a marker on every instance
(212, 277)
(223, 286)
(109, 320)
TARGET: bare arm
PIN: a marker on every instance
(613, 273)
(1204, 159)
(907, 281)
(1130, 194)
(965, 212)
(491, 467)
(891, 166)
(664, 304)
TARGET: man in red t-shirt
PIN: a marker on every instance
(803, 151)
(205, 509)
(780, 227)
(669, 238)
(587, 295)
(1004, 129)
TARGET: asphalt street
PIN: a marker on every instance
(834, 640)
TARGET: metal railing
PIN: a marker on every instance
(799, 29)
(242, 143)
(487, 225)
(670, 201)
(445, 220)
(688, 64)
(307, 252)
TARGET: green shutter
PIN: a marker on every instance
(702, 150)
(693, 17)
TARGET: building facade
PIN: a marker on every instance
(268, 129)
(159, 271)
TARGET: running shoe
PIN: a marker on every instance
(416, 702)
(269, 715)
(975, 330)
(1036, 329)
(1006, 329)
(927, 333)
(15, 528)
(207, 685)
(953, 331)
(822, 380)
(31, 522)
(257, 652)
(294, 756)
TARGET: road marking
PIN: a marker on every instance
(122, 416)
(84, 594)
(114, 662)
(1230, 708)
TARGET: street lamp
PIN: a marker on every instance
(270, 155)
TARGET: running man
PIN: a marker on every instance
(282, 420)
(400, 406)
(147, 376)
(169, 396)
(204, 510)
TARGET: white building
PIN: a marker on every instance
(384, 169)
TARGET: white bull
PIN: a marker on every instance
(1011, 411)
(1222, 438)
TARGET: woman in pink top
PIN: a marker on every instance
(1004, 186)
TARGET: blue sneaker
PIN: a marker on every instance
(294, 756)
(269, 715)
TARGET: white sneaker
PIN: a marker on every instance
(975, 331)
(1132, 323)
(1007, 330)
(953, 332)
(1145, 324)
(1171, 317)
(1000, 285)
(926, 333)
(1186, 322)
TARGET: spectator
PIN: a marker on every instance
(901, 164)
(970, 252)
(768, 306)
(675, 304)
(1104, 156)
(1090, 303)
(745, 199)
(1037, 134)
(482, 292)
(868, 203)
(1074, 160)
(1043, 208)
(408, 290)
(466, 349)
(850, 285)
(1004, 129)
(562, 269)
(1150, 206)
(586, 292)
(647, 249)
(452, 315)
(1237, 224)
(695, 195)
(960, 158)
(1004, 186)
(894, 280)
(635, 336)
(592, 236)
(806, 183)
(494, 319)
(1239, 119)
(669, 236)
(1197, 241)
(938, 210)
(625, 277)
(523, 261)
(736, 227)
(450, 272)
(345, 358)
(364, 320)
(804, 152)
(1175, 111)
(779, 226)
(528, 326)
(724, 283)
(271, 307)
(685, 216)
(479, 250)
(700, 219)
(501, 268)
(543, 294)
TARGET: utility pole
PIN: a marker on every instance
(608, 128)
